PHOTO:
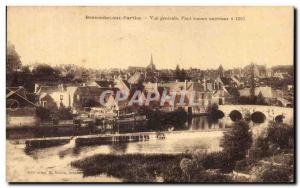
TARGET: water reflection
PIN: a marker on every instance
(205, 123)
(196, 123)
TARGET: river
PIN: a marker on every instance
(53, 164)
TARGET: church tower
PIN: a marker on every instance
(151, 66)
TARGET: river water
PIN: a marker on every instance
(53, 164)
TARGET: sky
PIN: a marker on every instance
(63, 35)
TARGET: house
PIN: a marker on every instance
(16, 97)
(222, 82)
(122, 85)
(101, 83)
(220, 97)
(259, 71)
(208, 84)
(136, 78)
(290, 87)
(222, 87)
(266, 92)
(20, 111)
(55, 95)
(195, 93)
(125, 106)
(284, 102)
(89, 96)
(118, 107)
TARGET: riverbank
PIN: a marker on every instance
(145, 168)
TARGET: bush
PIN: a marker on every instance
(241, 165)
(260, 149)
(65, 113)
(266, 172)
(281, 136)
(189, 167)
(235, 115)
(218, 160)
(47, 114)
(237, 141)
(258, 117)
(43, 113)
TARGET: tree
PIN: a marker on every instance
(280, 136)
(237, 141)
(180, 74)
(13, 61)
(260, 100)
(65, 113)
(43, 113)
(44, 69)
(252, 83)
(220, 71)
(177, 72)
(25, 69)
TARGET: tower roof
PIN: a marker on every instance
(151, 65)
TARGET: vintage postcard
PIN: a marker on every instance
(150, 94)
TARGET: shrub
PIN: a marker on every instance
(241, 165)
(43, 113)
(259, 149)
(235, 115)
(188, 167)
(281, 136)
(267, 172)
(218, 160)
(237, 140)
(65, 113)
(258, 117)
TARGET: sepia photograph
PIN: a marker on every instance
(150, 94)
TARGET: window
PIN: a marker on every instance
(44, 103)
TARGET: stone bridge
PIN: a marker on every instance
(270, 111)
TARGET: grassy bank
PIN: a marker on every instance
(143, 168)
